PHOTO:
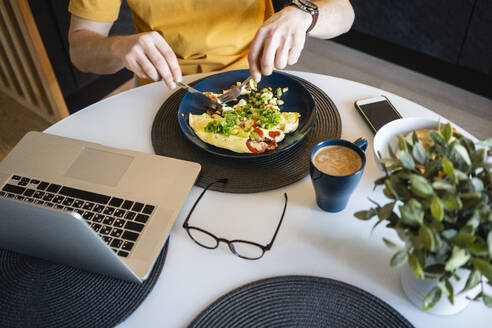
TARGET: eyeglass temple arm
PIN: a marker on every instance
(267, 247)
(185, 223)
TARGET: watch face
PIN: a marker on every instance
(306, 5)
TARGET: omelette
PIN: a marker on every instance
(252, 125)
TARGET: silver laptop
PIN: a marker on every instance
(98, 208)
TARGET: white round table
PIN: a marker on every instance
(310, 241)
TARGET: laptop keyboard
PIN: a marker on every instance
(118, 221)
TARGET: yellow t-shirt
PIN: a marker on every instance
(205, 35)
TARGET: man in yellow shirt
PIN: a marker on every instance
(193, 36)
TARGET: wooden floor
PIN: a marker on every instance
(16, 120)
(470, 111)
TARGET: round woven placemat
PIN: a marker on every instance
(38, 293)
(299, 301)
(251, 174)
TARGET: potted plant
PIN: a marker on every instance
(440, 190)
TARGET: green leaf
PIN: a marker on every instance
(365, 215)
(477, 184)
(437, 137)
(478, 296)
(489, 242)
(471, 195)
(484, 267)
(458, 258)
(426, 237)
(474, 221)
(379, 181)
(464, 240)
(420, 186)
(432, 168)
(487, 300)
(451, 201)
(450, 293)
(389, 161)
(449, 234)
(463, 154)
(470, 199)
(447, 289)
(447, 132)
(443, 288)
(402, 143)
(412, 213)
(415, 138)
(391, 244)
(431, 299)
(415, 266)
(460, 175)
(385, 211)
(437, 209)
(434, 271)
(389, 194)
(486, 143)
(400, 186)
(391, 152)
(399, 258)
(419, 154)
(406, 160)
(392, 194)
(442, 185)
(474, 279)
(479, 249)
(448, 168)
(479, 156)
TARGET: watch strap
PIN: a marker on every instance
(311, 8)
(313, 23)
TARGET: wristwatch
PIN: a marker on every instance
(309, 7)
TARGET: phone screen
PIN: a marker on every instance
(379, 113)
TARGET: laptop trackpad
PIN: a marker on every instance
(99, 166)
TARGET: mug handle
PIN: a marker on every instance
(361, 143)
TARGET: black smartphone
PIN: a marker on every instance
(377, 111)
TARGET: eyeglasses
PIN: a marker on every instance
(244, 249)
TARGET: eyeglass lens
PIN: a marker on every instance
(246, 250)
(240, 248)
(203, 238)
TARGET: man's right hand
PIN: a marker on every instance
(146, 54)
(149, 56)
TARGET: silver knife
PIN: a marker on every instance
(204, 99)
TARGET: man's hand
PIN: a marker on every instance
(149, 56)
(146, 54)
(281, 38)
(279, 42)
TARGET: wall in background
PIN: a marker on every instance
(450, 40)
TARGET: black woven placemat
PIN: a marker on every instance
(38, 293)
(245, 175)
(299, 301)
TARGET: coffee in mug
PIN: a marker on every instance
(337, 160)
(336, 167)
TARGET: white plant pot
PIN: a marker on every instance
(417, 289)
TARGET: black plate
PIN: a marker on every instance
(297, 99)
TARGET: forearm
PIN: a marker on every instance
(95, 53)
(335, 18)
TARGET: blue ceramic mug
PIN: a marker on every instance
(333, 192)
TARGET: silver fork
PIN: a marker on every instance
(206, 100)
(233, 93)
